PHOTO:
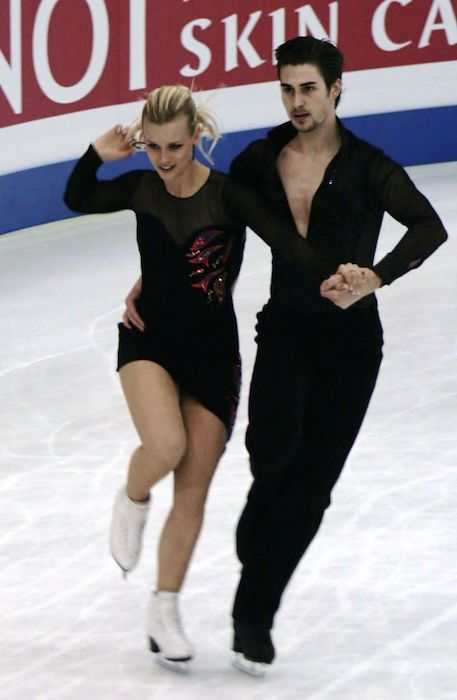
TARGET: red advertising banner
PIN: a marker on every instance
(60, 56)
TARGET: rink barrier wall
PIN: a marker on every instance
(412, 137)
(71, 68)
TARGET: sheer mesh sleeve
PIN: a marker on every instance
(88, 195)
(247, 208)
(402, 200)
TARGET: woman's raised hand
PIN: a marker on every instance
(114, 144)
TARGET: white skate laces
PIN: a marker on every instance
(165, 632)
(126, 533)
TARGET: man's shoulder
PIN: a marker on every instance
(255, 148)
(269, 146)
(368, 162)
(361, 146)
(249, 165)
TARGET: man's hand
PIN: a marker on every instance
(114, 144)
(349, 284)
(131, 316)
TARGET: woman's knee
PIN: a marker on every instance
(167, 449)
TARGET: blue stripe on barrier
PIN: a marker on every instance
(34, 196)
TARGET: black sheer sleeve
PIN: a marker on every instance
(246, 207)
(399, 196)
(88, 195)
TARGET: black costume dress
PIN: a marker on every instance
(191, 250)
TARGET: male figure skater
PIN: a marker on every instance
(319, 341)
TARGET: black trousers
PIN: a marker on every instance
(312, 382)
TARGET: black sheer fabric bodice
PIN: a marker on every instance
(191, 252)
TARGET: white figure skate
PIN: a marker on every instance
(126, 533)
(165, 632)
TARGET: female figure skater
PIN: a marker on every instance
(181, 376)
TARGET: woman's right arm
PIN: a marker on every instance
(87, 194)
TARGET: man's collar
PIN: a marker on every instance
(281, 135)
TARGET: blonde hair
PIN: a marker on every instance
(170, 101)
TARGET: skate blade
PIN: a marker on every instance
(124, 572)
(177, 666)
(252, 668)
(181, 665)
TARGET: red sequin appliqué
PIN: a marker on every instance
(208, 257)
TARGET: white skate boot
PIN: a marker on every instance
(126, 533)
(165, 633)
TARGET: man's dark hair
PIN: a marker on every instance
(320, 52)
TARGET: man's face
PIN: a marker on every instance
(306, 98)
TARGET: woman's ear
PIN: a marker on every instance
(197, 135)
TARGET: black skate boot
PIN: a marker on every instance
(253, 648)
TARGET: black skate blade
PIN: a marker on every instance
(153, 646)
(175, 666)
(181, 664)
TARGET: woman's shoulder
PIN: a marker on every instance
(225, 181)
(215, 183)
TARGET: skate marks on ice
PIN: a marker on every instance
(371, 612)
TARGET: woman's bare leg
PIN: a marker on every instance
(154, 404)
(206, 438)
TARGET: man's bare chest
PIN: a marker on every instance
(300, 179)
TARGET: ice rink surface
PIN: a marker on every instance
(371, 613)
